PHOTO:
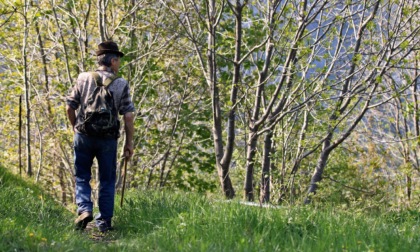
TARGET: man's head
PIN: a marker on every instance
(109, 55)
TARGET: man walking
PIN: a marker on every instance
(102, 145)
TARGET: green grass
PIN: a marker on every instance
(166, 221)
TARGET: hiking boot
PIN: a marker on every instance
(83, 219)
(104, 229)
(103, 225)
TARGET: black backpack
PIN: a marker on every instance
(100, 116)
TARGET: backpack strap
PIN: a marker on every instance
(98, 80)
(109, 80)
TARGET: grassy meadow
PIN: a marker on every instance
(167, 221)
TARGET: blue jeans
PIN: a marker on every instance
(86, 148)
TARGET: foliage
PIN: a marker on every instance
(308, 76)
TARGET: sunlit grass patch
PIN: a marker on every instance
(175, 221)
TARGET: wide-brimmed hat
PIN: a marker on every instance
(108, 47)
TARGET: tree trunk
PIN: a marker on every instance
(20, 135)
(408, 187)
(41, 154)
(341, 105)
(27, 94)
(249, 177)
(102, 4)
(62, 180)
(252, 136)
(227, 157)
(226, 182)
(265, 175)
(319, 169)
(69, 79)
(221, 166)
(257, 121)
(44, 63)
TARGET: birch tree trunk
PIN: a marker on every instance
(27, 92)
(20, 135)
(63, 43)
(102, 19)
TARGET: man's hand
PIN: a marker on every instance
(128, 150)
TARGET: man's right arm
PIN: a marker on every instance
(73, 102)
(129, 133)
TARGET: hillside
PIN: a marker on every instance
(30, 220)
(167, 221)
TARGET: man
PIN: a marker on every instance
(104, 148)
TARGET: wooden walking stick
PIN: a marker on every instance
(125, 175)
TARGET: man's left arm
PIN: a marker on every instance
(71, 114)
